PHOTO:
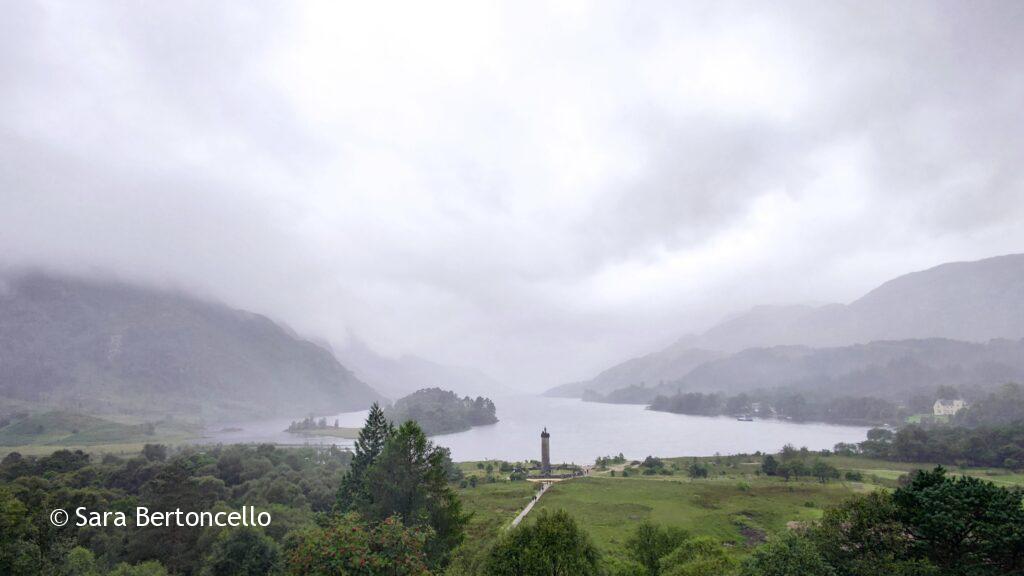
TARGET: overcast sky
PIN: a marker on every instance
(538, 190)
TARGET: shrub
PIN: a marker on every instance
(553, 545)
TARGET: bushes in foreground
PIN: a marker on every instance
(936, 525)
(349, 545)
(293, 484)
(552, 545)
(555, 545)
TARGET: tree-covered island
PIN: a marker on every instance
(440, 411)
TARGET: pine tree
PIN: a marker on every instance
(409, 479)
(372, 438)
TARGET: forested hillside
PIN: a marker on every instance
(440, 411)
(657, 368)
(887, 369)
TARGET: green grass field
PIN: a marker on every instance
(889, 472)
(736, 511)
(42, 433)
(734, 504)
(493, 506)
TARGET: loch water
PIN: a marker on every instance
(582, 431)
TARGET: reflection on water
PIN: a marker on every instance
(582, 431)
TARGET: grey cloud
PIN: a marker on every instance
(431, 203)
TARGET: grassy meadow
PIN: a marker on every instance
(42, 433)
(734, 504)
(737, 512)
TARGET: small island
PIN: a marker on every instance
(440, 411)
(318, 427)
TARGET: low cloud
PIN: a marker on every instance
(535, 189)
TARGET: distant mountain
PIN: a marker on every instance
(889, 369)
(112, 348)
(768, 325)
(967, 301)
(970, 301)
(648, 371)
(398, 377)
(899, 371)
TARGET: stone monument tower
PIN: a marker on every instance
(545, 453)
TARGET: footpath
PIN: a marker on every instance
(536, 498)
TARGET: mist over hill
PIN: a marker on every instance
(971, 301)
(891, 369)
(113, 348)
(397, 377)
(651, 370)
(962, 301)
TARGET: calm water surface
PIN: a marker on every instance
(582, 431)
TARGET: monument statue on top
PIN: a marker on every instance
(545, 453)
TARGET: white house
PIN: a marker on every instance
(947, 407)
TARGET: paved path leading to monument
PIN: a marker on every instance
(544, 488)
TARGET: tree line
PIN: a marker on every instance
(780, 404)
(796, 464)
(386, 509)
(989, 432)
(996, 446)
(310, 423)
(294, 485)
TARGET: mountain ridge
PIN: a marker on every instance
(109, 347)
(970, 301)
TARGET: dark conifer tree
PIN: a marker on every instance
(410, 480)
(369, 445)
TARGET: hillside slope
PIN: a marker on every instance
(965, 301)
(651, 370)
(892, 369)
(970, 301)
(110, 348)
